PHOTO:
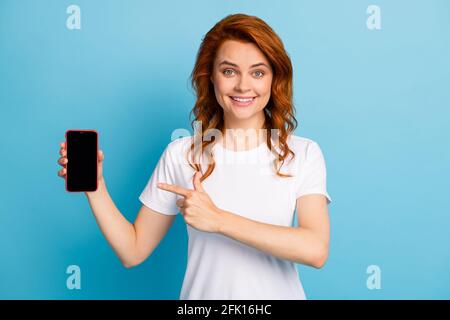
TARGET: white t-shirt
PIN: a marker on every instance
(244, 183)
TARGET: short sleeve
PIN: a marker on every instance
(155, 198)
(312, 178)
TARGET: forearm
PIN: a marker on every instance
(296, 244)
(118, 231)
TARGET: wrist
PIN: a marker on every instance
(224, 217)
(101, 187)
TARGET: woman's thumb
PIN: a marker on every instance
(101, 156)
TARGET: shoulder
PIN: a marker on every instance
(302, 145)
(180, 143)
(300, 141)
(178, 148)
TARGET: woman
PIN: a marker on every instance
(236, 191)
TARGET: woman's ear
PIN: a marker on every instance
(211, 78)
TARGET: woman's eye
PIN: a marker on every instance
(228, 72)
(258, 74)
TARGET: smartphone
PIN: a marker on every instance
(82, 153)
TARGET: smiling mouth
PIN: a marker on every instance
(242, 101)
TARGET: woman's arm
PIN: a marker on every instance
(306, 244)
(132, 243)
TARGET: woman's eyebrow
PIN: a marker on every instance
(235, 65)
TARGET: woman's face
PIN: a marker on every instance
(242, 78)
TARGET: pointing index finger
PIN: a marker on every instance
(174, 188)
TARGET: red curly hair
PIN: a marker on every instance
(279, 111)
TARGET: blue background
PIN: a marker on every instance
(376, 101)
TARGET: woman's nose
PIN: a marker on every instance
(243, 84)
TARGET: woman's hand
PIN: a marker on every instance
(63, 162)
(197, 208)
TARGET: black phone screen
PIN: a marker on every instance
(81, 168)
